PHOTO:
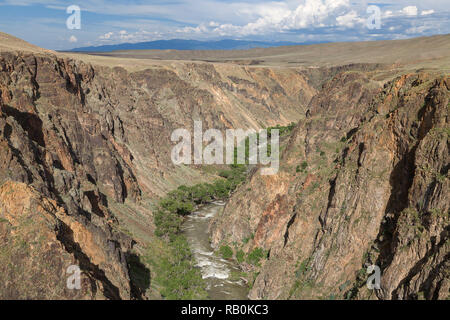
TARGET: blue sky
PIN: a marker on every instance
(43, 22)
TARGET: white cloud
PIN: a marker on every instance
(287, 20)
(388, 14)
(277, 17)
(409, 11)
(427, 12)
(106, 36)
(314, 12)
(73, 39)
(418, 30)
(123, 35)
(274, 19)
(348, 20)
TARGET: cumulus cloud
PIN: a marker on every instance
(388, 14)
(277, 17)
(418, 30)
(427, 12)
(125, 36)
(106, 36)
(409, 11)
(286, 20)
(349, 20)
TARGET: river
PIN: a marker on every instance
(215, 270)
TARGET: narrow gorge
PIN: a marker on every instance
(85, 161)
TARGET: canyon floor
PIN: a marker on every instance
(85, 159)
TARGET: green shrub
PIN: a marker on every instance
(255, 256)
(167, 223)
(178, 276)
(283, 130)
(304, 267)
(246, 240)
(226, 252)
(225, 174)
(240, 256)
(304, 165)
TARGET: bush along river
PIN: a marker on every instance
(189, 268)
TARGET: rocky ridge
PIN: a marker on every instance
(85, 151)
(364, 180)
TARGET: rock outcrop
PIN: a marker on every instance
(364, 180)
(83, 146)
(85, 151)
(40, 242)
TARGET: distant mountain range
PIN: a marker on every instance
(178, 44)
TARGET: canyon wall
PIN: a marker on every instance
(363, 180)
(85, 151)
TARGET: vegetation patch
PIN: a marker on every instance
(302, 167)
(240, 256)
(226, 252)
(177, 276)
(255, 256)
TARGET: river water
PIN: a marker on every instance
(215, 270)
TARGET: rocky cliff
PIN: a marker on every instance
(85, 151)
(364, 180)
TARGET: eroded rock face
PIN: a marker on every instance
(39, 244)
(46, 146)
(374, 191)
(363, 178)
(79, 143)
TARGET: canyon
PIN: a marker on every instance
(86, 155)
